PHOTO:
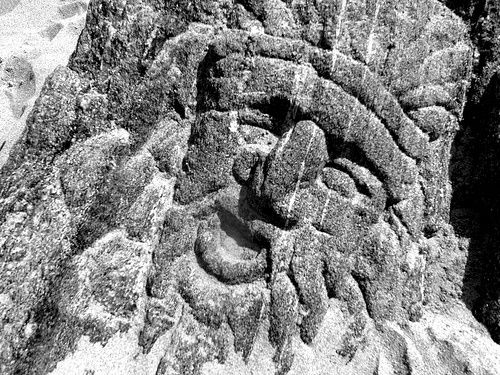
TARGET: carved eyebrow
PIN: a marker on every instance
(353, 76)
(339, 114)
(350, 75)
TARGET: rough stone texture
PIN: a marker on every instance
(261, 186)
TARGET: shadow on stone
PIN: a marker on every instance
(475, 208)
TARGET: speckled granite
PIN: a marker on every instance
(248, 187)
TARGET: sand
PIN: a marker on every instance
(7, 5)
(36, 36)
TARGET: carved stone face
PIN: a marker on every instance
(323, 162)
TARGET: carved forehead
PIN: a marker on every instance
(358, 25)
(406, 44)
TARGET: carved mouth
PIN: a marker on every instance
(226, 249)
(236, 238)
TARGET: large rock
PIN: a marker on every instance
(243, 187)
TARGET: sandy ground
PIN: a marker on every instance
(35, 37)
(7, 5)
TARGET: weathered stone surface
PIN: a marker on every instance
(475, 169)
(245, 187)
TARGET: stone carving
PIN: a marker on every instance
(242, 186)
(333, 120)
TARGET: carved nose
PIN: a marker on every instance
(297, 158)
